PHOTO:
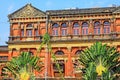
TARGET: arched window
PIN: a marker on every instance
(76, 28)
(60, 62)
(36, 32)
(59, 53)
(64, 29)
(29, 30)
(22, 32)
(29, 26)
(55, 29)
(97, 27)
(85, 28)
(78, 52)
(106, 27)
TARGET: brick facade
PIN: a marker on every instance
(71, 31)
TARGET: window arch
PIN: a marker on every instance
(97, 27)
(76, 28)
(29, 30)
(64, 25)
(78, 52)
(64, 29)
(84, 28)
(29, 26)
(59, 52)
(55, 25)
(106, 27)
(55, 29)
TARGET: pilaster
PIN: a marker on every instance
(19, 28)
(102, 27)
(69, 64)
(91, 27)
(17, 51)
(25, 32)
(11, 31)
(10, 54)
(112, 25)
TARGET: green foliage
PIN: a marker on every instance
(102, 56)
(106, 76)
(46, 41)
(58, 66)
(23, 62)
(46, 38)
(90, 73)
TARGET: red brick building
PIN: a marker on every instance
(70, 30)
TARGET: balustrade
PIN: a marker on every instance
(109, 36)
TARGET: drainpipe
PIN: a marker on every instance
(47, 50)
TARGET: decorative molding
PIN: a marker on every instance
(69, 49)
(27, 11)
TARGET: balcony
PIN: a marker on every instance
(111, 36)
(24, 38)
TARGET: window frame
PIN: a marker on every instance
(36, 32)
(85, 26)
(59, 51)
(22, 32)
(64, 29)
(106, 26)
(97, 27)
(76, 27)
(78, 52)
(55, 29)
(29, 32)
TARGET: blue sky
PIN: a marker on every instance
(9, 6)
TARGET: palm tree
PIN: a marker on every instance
(22, 66)
(90, 72)
(104, 58)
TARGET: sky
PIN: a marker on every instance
(9, 6)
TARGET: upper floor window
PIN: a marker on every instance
(85, 28)
(55, 29)
(22, 32)
(55, 25)
(29, 32)
(59, 53)
(29, 26)
(36, 32)
(29, 29)
(64, 29)
(106, 27)
(64, 25)
(76, 28)
(97, 27)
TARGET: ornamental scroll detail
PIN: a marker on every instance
(27, 11)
